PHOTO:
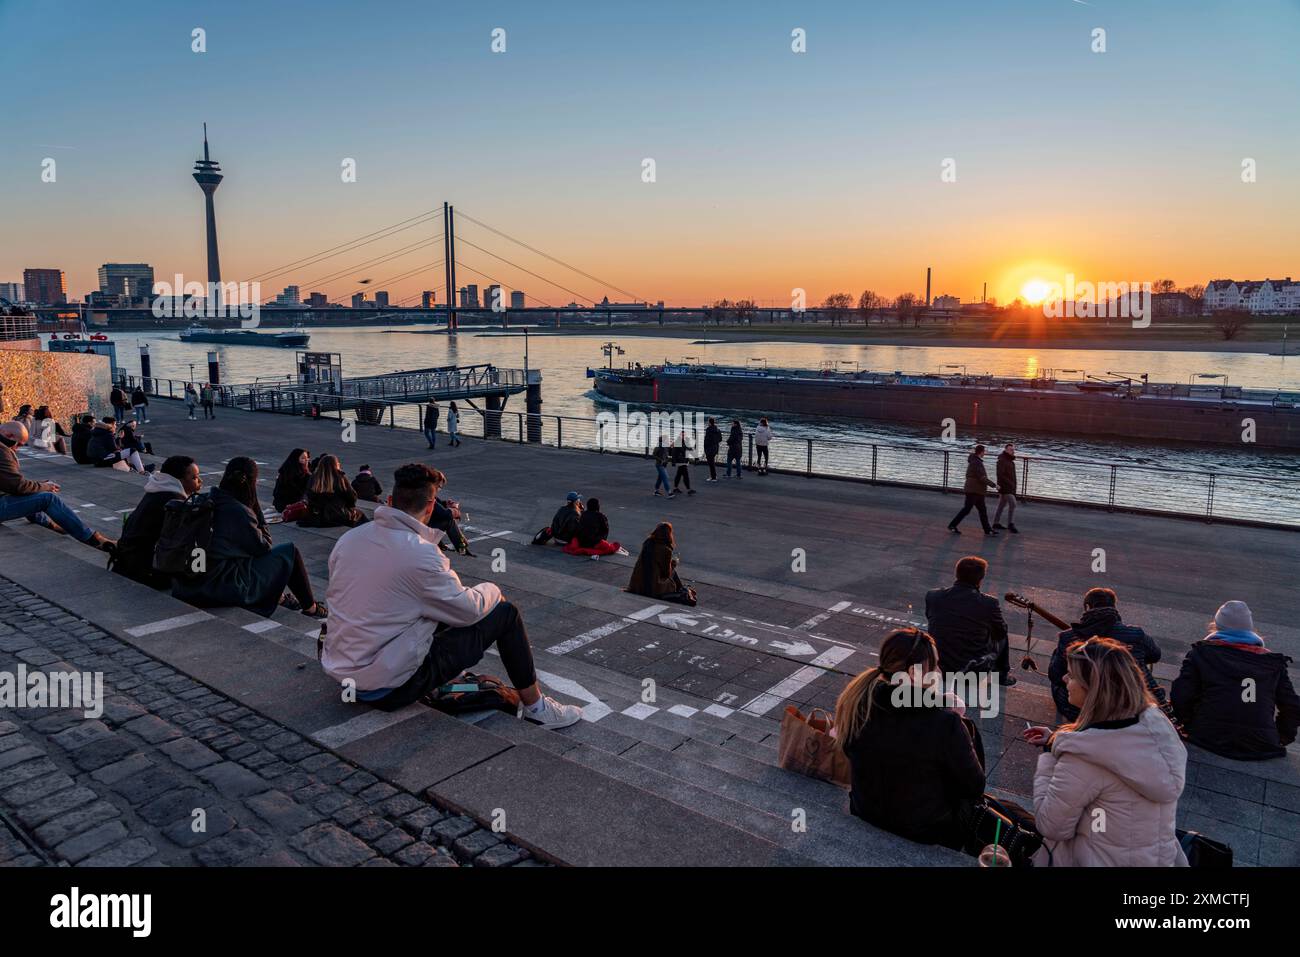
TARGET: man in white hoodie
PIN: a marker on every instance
(400, 621)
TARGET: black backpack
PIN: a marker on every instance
(187, 525)
(473, 692)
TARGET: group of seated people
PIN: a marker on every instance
(1118, 747)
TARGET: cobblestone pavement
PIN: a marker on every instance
(128, 788)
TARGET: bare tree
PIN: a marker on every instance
(1163, 286)
(905, 307)
(1196, 293)
(746, 310)
(869, 304)
(839, 302)
(721, 309)
(1231, 322)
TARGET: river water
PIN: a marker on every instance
(567, 391)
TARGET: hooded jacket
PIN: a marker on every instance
(1107, 796)
(735, 441)
(102, 446)
(1101, 622)
(367, 486)
(80, 444)
(564, 524)
(712, 441)
(977, 476)
(1207, 699)
(763, 435)
(1006, 472)
(390, 587)
(135, 547)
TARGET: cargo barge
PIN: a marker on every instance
(1116, 406)
(246, 337)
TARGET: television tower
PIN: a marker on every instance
(207, 173)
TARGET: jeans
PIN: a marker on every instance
(119, 412)
(1006, 500)
(974, 500)
(42, 508)
(455, 649)
(208, 411)
(733, 459)
(431, 436)
(141, 412)
(662, 479)
(452, 438)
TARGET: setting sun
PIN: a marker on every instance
(1035, 291)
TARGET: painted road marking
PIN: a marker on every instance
(816, 620)
(593, 709)
(168, 624)
(787, 687)
(364, 725)
(875, 615)
(640, 711)
(258, 627)
(719, 711)
(479, 538)
(587, 637)
(683, 710)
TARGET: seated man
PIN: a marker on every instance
(1101, 620)
(81, 433)
(967, 625)
(401, 624)
(366, 485)
(177, 479)
(105, 452)
(564, 525)
(1209, 693)
(38, 502)
(592, 535)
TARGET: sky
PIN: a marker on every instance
(773, 170)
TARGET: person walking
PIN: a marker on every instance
(680, 457)
(1006, 474)
(118, 399)
(208, 396)
(453, 423)
(191, 400)
(431, 414)
(975, 487)
(762, 438)
(140, 405)
(661, 469)
(712, 442)
(735, 442)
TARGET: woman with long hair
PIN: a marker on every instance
(292, 480)
(453, 425)
(331, 500)
(243, 568)
(1107, 786)
(655, 572)
(48, 433)
(916, 766)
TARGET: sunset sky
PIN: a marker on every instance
(775, 170)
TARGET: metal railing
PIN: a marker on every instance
(1210, 495)
(15, 328)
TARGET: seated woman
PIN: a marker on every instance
(177, 479)
(331, 500)
(916, 769)
(1121, 763)
(291, 481)
(130, 440)
(593, 530)
(243, 568)
(655, 572)
(49, 433)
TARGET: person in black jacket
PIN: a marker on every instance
(712, 442)
(104, 450)
(140, 404)
(118, 398)
(81, 432)
(243, 569)
(679, 455)
(431, 414)
(968, 626)
(1006, 473)
(735, 445)
(1101, 620)
(177, 479)
(915, 767)
(564, 525)
(331, 500)
(292, 479)
(976, 487)
(367, 486)
(1209, 693)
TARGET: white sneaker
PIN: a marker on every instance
(553, 714)
(595, 558)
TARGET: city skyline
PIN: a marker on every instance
(774, 170)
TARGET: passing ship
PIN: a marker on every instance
(1117, 406)
(246, 337)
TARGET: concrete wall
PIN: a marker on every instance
(68, 383)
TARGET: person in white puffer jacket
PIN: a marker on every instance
(1106, 789)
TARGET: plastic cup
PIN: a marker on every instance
(994, 855)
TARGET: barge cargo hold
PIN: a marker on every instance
(1118, 406)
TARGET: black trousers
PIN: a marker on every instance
(683, 476)
(761, 461)
(299, 583)
(713, 466)
(974, 500)
(455, 649)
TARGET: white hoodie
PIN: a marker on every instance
(763, 435)
(1108, 798)
(390, 587)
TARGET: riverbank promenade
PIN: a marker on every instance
(675, 762)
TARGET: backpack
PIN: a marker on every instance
(1201, 851)
(471, 692)
(187, 525)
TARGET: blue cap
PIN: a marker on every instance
(573, 497)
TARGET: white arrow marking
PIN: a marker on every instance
(587, 637)
(796, 649)
(788, 687)
(676, 618)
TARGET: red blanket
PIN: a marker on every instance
(602, 548)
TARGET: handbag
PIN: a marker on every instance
(987, 821)
(293, 511)
(806, 746)
(1201, 851)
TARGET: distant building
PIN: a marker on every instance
(291, 296)
(946, 303)
(469, 297)
(1168, 305)
(490, 296)
(12, 291)
(358, 300)
(381, 300)
(45, 287)
(625, 306)
(1259, 297)
(516, 299)
(126, 281)
(427, 299)
(317, 300)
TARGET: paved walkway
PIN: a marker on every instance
(799, 579)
